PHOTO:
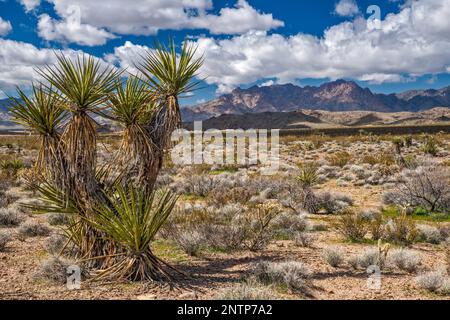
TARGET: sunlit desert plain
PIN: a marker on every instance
(356, 217)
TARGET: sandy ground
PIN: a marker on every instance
(214, 271)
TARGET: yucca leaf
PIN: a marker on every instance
(170, 74)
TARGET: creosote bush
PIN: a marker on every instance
(304, 239)
(10, 217)
(5, 238)
(333, 256)
(55, 244)
(54, 269)
(294, 275)
(353, 226)
(339, 159)
(432, 281)
(401, 230)
(247, 291)
(426, 187)
(31, 229)
(406, 260)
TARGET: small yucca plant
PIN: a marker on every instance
(308, 176)
(131, 105)
(169, 75)
(132, 223)
(42, 114)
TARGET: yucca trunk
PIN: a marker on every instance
(166, 119)
(81, 184)
(51, 163)
(80, 143)
(135, 157)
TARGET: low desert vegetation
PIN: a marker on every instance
(118, 207)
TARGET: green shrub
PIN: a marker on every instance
(353, 226)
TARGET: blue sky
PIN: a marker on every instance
(254, 42)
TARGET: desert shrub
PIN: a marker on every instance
(54, 269)
(258, 223)
(200, 185)
(6, 198)
(230, 227)
(163, 180)
(410, 162)
(55, 243)
(292, 274)
(10, 217)
(225, 237)
(247, 291)
(429, 234)
(333, 256)
(375, 223)
(58, 219)
(381, 158)
(304, 239)
(369, 257)
(404, 259)
(445, 288)
(353, 226)
(287, 224)
(334, 203)
(192, 214)
(222, 196)
(431, 281)
(5, 238)
(426, 187)
(309, 201)
(318, 227)
(447, 254)
(339, 159)
(401, 230)
(398, 143)
(430, 145)
(190, 241)
(11, 167)
(408, 141)
(33, 229)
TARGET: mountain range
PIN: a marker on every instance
(333, 104)
(340, 95)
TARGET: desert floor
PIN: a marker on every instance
(211, 270)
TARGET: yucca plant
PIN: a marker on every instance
(308, 176)
(42, 114)
(131, 106)
(132, 223)
(84, 85)
(115, 223)
(169, 75)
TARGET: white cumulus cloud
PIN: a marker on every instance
(99, 21)
(413, 42)
(30, 5)
(19, 60)
(5, 27)
(347, 8)
(71, 30)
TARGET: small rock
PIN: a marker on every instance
(188, 296)
(147, 297)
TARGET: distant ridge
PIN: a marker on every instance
(319, 119)
(340, 95)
